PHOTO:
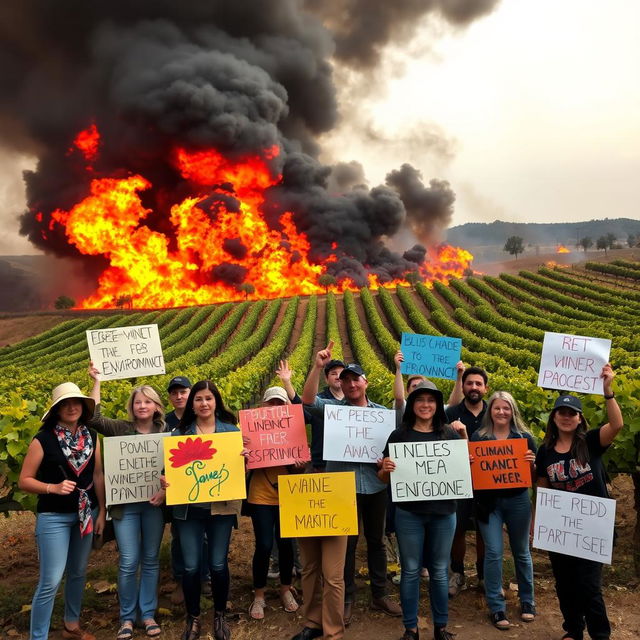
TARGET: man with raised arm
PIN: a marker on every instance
(371, 492)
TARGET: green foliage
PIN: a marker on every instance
(333, 330)
(514, 246)
(64, 302)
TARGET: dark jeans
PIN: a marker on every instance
(372, 516)
(579, 589)
(177, 561)
(266, 526)
(218, 531)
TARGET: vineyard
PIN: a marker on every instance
(501, 321)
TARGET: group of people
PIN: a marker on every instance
(63, 466)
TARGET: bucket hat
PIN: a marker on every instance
(68, 390)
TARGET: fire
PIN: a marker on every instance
(562, 249)
(220, 240)
(87, 142)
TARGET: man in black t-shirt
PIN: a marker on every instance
(470, 412)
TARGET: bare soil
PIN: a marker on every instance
(15, 328)
(468, 618)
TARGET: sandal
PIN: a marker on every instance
(289, 603)
(125, 632)
(152, 628)
(256, 610)
(499, 620)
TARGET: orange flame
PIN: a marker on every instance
(87, 142)
(562, 249)
(154, 270)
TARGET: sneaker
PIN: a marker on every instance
(220, 627)
(456, 582)
(410, 635)
(274, 572)
(441, 633)
(527, 612)
(499, 620)
(387, 605)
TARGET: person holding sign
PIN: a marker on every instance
(138, 526)
(263, 507)
(501, 506)
(420, 521)
(570, 459)
(205, 413)
(371, 492)
(64, 469)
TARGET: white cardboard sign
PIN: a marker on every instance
(126, 352)
(573, 363)
(436, 470)
(132, 467)
(356, 434)
(574, 524)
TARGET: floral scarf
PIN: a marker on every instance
(78, 450)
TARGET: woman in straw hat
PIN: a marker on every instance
(138, 526)
(63, 467)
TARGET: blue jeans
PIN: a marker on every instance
(515, 513)
(60, 549)
(431, 535)
(177, 562)
(218, 531)
(139, 534)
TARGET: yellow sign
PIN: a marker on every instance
(318, 504)
(207, 468)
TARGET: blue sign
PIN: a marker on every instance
(430, 356)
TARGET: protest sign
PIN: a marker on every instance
(435, 470)
(206, 468)
(318, 504)
(500, 464)
(132, 467)
(126, 352)
(277, 435)
(356, 434)
(574, 524)
(430, 356)
(573, 363)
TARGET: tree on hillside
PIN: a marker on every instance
(64, 302)
(412, 277)
(611, 240)
(326, 280)
(602, 243)
(632, 240)
(247, 288)
(585, 243)
(124, 301)
(514, 245)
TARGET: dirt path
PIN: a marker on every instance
(320, 340)
(347, 354)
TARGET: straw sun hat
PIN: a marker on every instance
(68, 390)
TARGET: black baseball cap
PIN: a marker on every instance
(570, 402)
(353, 368)
(332, 364)
(179, 381)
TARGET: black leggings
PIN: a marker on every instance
(266, 525)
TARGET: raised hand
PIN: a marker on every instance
(283, 371)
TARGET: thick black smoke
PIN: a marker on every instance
(239, 76)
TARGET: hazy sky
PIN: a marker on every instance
(532, 113)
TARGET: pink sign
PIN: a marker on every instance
(277, 435)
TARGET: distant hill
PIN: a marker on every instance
(479, 234)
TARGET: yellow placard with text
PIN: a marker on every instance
(204, 468)
(318, 504)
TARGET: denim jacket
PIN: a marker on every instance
(224, 507)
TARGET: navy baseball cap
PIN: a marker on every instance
(571, 402)
(353, 368)
(179, 381)
(332, 364)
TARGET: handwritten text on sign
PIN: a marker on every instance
(437, 470)
(574, 524)
(431, 356)
(132, 467)
(500, 464)
(318, 504)
(356, 434)
(277, 435)
(573, 363)
(126, 352)
(207, 468)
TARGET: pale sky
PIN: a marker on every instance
(532, 113)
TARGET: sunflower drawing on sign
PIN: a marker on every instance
(192, 453)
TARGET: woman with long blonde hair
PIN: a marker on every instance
(138, 526)
(496, 508)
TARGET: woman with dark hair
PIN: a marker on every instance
(424, 420)
(63, 467)
(511, 507)
(138, 526)
(205, 414)
(570, 459)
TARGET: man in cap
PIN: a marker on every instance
(371, 492)
(178, 389)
